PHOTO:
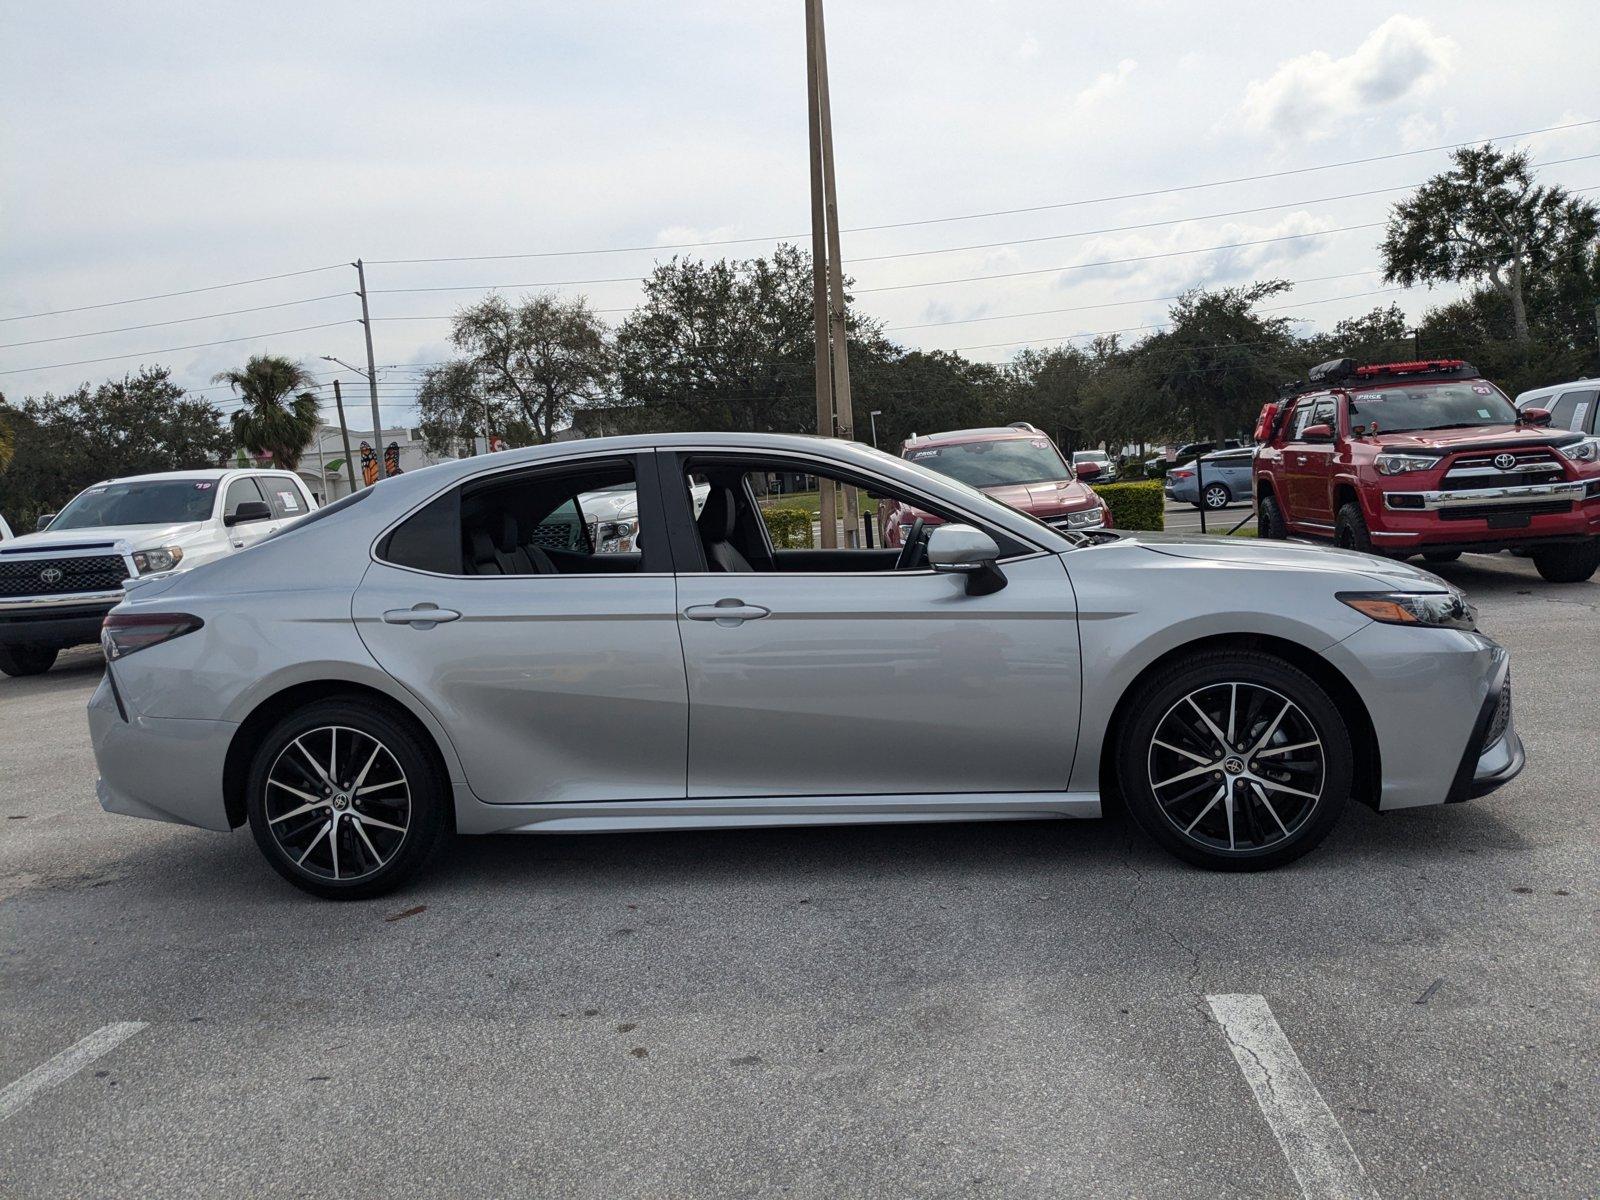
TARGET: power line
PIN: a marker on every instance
(215, 287)
(1006, 212)
(67, 337)
(173, 349)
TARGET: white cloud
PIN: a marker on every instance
(1311, 96)
(1105, 85)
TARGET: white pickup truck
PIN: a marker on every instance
(58, 583)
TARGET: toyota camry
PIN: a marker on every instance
(449, 652)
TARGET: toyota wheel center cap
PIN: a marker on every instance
(1234, 766)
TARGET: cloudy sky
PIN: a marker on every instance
(155, 148)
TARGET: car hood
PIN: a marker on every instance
(1045, 499)
(1260, 552)
(138, 536)
(1451, 440)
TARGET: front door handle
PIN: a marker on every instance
(421, 616)
(727, 612)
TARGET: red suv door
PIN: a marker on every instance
(1308, 463)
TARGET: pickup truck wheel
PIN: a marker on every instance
(344, 800)
(1234, 760)
(1270, 523)
(1568, 564)
(17, 661)
(1350, 530)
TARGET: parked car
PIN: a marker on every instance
(371, 678)
(1184, 453)
(1573, 406)
(1226, 479)
(1016, 464)
(5, 531)
(1105, 466)
(58, 583)
(1427, 458)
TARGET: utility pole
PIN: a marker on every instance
(819, 278)
(372, 369)
(344, 433)
(843, 410)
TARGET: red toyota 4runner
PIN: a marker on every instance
(1426, 458)
(1017, 465)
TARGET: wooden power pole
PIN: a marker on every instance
(344, 433)
(835, 412)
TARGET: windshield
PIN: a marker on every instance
(994, 464)
(153, 502)
(1444, 405)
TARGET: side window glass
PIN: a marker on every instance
(239, 491)
(1571, 411)
(284, 497)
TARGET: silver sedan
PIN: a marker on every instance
(449, 652)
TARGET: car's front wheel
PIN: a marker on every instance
(344, 800)
(1235, 760)
(18, 661)
(1572, 563)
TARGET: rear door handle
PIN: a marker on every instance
(421, 616)
(726, 612)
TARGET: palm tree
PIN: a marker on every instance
(280, 414)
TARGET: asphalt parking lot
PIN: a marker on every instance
(1002, 1010)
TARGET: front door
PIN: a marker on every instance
(834, 673)
(1308, 466)
(550, 656)
(241, 490)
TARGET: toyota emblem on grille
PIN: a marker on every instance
(50, 575)
(1505, 461)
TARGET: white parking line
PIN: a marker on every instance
(1318, 1152)
(65, 1065)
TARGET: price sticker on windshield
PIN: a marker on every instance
(203, 485)
(1040, 443)
(1483, 389)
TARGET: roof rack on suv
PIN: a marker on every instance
(1025, 426)
(1336, 371)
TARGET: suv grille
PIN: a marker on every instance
(1478, 469)
(62, 576)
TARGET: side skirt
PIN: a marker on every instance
(754, 812)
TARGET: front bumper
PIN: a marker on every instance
(61, 621)
(1489, 518)
(1494, 755)
(166, 769)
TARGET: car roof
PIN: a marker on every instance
(1553, 388)
(209, 473)
(991, 433)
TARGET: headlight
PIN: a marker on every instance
(161, 558)
(611, 531)
(1442, 610)
(1399, 464)
(1090, 516)
(1587, 450)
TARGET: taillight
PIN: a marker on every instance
(123, 633)
(1181, 474)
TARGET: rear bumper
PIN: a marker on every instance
(166, 769)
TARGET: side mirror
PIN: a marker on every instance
(1087, 470)
(965, 550)
(1534, 416)
(1317, 433)
(43, 522)
(248, 511)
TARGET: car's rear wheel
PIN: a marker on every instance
(1235, 761)
(18, 661)
(1350, 529)
(1572, 563)
(344, 800)
(1270, 523)
(1215, 496)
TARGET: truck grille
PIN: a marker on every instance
(1478, 469)
(62, 576)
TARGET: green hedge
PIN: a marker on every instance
(789, 528)
(1135, 505)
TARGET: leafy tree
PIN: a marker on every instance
(536, 360)
(726, 345)
(918, 391)
(135, 425)
(1218, 359)
(454, 407)
(8, 436)
(280, 413)
(1380, 335)
(1486, 220)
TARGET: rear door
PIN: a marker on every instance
(555, 669)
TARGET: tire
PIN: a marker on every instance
(1216, 497)
(1350, 530)
(383, 835)
(1259, 836)
(18, 661)
(1574, 563)
(1270, 522)
(1441, 556)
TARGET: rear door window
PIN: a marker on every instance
(284, 496)
(1574, 410)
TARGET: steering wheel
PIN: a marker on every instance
(912, 547)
